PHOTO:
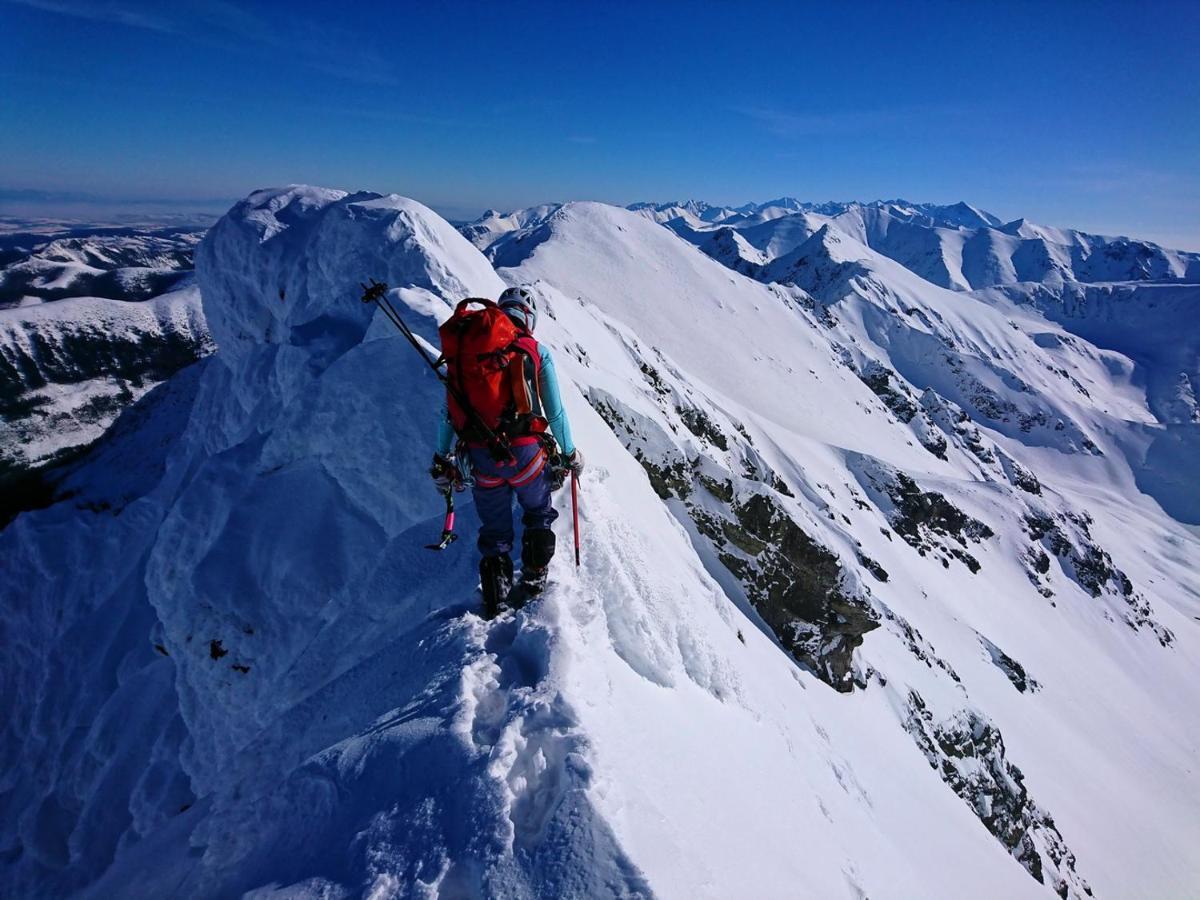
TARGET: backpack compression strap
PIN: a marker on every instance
(463, 304)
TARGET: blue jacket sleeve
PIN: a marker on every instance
(445, 435)
(552, 407)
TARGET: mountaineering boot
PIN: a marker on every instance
(495, 579)
(528, 588)
(537, 549)
(533, 580)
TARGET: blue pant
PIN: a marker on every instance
(494, 500)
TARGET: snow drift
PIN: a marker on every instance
(856, 616)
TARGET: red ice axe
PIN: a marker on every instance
(448, 535)
(575, 513)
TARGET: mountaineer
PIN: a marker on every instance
(503, 405)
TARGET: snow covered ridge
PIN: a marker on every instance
(874, 598)
(827, 252)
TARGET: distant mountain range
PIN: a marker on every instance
(959, 246)
(47, 260)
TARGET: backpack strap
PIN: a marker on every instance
(482, 301)
(525, 378)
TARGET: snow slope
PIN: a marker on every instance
(1157, 327)
(812, 649)
(82, 335)
(68, 368)
(894, 327)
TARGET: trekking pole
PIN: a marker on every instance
(575, 513)
(448, 535)
(376, 292)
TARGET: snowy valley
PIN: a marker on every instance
(890, 583)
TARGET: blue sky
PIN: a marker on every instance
(1069, 113)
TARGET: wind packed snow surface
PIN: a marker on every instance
(871, 601)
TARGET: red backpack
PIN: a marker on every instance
(492, 367)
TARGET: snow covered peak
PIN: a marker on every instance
(320, 245)
(1023, 228)
(960, 214)
(730, 248)
(696, 211)
(790, 204)
(493, 228)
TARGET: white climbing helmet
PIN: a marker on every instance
(518, 302)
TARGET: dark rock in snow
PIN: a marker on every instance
(698, 423)
(1068, 536)
(916, 643)
(878, 378)
(919, 512)
(721, 489)
(873, 567)
(796, 585)
(669, 480)
(1012, 669)
(968, 753)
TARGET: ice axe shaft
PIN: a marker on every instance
(448, 535)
